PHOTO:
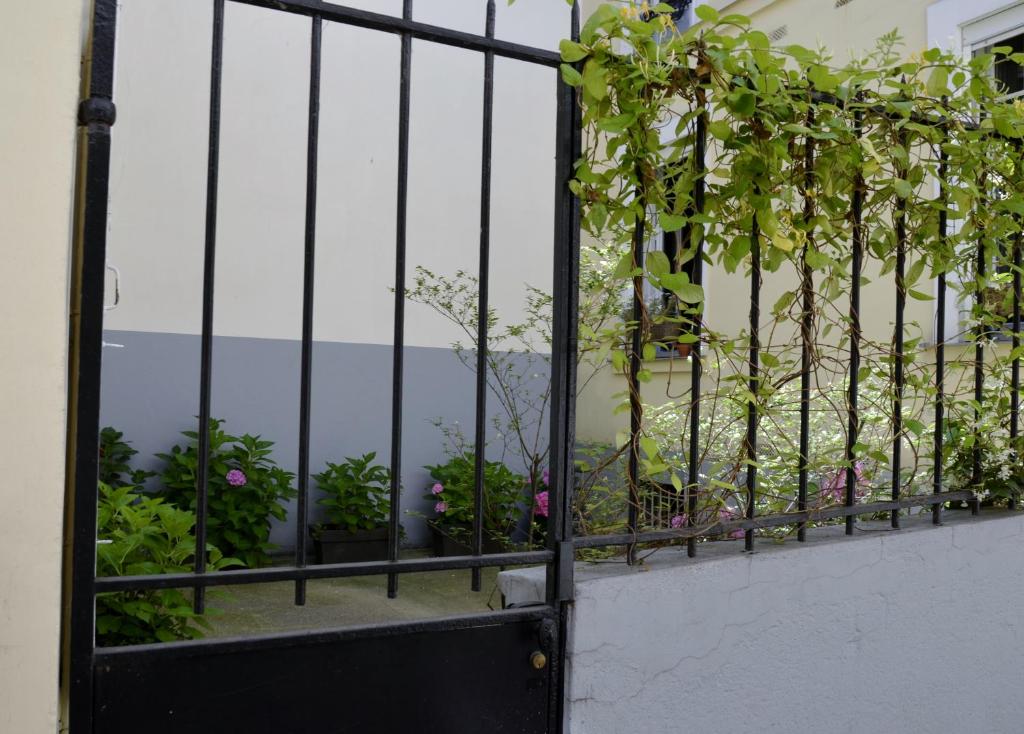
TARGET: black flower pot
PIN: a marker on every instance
(334, 544)
(445, 545)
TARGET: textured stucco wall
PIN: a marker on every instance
(913, 631)
(40, 44)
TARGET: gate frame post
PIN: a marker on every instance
(96, 115)
(565, 291)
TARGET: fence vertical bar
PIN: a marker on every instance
(806, 327)
(635, 406)
(398, 343)
(308, 276)
(96, 115)
(565, 295)
(898, 340)
(940, 342)
(856, 265)
(980, 334)
(1015, 345)
(483, 281)
(754, 384)
(697, 277)
(209, 262)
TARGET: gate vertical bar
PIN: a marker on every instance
(209, 263)
(308, 278)
(697, 367)
(755, 377)
(940, 343)
(96, 114)
(483, 282)
(565, 295)
(398, 345)
(806, 327)
(856, 265)
(898, 339)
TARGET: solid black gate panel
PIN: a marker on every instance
(474, 679)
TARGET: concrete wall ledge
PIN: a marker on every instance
(915, 630)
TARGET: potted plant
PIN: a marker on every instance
(452, 492)
(358, 504)
(245, 490)
(666, 328)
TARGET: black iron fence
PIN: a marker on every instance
(647, 508)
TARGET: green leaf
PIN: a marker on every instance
(689, 293)
(570, 76)
(657, 263)
(649, 446)
(720, 129)
(572, 52)
(598, 18)
(743, 102)
(938, 82)
(782, 242)
(903, 188)
(706, 13)
(594, 79)
(671, 222)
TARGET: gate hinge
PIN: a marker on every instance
(565, 558)
(97, 110)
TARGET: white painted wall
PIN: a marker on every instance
(158, 186)
(40, 46)
(906, 632)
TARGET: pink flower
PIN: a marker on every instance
(236, 478)
(438, 488)
(545, 476)
(678, 521)
(540, 504)
(725, 515)
(835, 483)
(441, 507)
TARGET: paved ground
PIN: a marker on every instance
(264, 608)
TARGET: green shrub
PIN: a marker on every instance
(356, 493)
(245, 489)
(144, 535)
(115, 460)
(452, 494)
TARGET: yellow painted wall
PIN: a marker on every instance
(846, 30)
(40, 46)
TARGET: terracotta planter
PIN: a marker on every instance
(333, 544)
(667, 333)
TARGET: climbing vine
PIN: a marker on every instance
(916, 159)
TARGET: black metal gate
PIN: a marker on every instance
(503, 670)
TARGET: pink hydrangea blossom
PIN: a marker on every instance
(438, 488)
(545, 476)
(725, 515)
(678, 521)
(540, 505)
(236, 478)
(834, 485)
(441, 507)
